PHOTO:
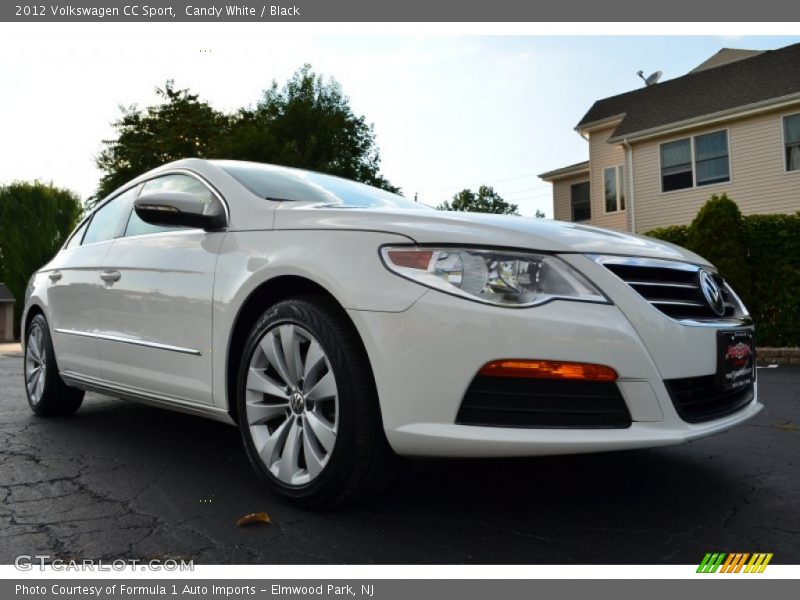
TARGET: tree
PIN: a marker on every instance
(485, 201)
(308, 123)
(35, 219)
(181, 126)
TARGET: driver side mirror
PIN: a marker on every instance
(180, 208)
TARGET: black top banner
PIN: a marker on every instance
(406, 11)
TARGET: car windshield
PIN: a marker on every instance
(282, 183)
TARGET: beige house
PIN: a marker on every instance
(656, 154)
(6, 314)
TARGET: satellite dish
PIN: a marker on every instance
(652, 79)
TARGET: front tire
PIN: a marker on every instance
(308, 408)
(48, 395)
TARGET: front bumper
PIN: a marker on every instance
(424, 359)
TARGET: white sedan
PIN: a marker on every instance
(338, 325)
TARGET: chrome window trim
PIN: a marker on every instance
(124, 340)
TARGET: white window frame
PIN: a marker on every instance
(786, 169)
(691, 139)
(620, 191)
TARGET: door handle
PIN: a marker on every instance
(110, 276)
(55, 276)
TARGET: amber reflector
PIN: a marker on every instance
(548, 369)
(413, 259)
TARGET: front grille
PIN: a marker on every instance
(543, 403)
(697, 399)
(673, 287)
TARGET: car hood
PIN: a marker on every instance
(442, 227)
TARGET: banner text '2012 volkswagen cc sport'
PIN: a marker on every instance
(338, 324)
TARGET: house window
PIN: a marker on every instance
(791, 138)
(580, 199)
(676, 165)
(711, 158)
(700, 160)
(614, 188)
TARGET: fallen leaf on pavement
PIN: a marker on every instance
(788, 426)
(260, 517)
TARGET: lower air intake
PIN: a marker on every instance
(543, 403)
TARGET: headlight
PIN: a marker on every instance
(497, 277)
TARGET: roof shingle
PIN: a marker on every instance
(765, 76)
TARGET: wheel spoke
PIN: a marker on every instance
(259, 413)
(274, 442)
(322, 431)
(323, 389)
(289, 464)
(274, 353)
(290, 344)
(258, 381)
(314, 463)
(32, 373)
(34, 345)
(39, 384)
(314, 357)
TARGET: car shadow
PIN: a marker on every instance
(645, 506)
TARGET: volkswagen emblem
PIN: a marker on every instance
(712, 293)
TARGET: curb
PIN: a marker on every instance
(778, 356)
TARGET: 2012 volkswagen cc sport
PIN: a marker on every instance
(338, 325)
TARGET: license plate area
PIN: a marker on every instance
(736, 359)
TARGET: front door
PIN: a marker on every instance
(155, 310)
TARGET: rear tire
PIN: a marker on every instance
(308, 408)
(48, 395)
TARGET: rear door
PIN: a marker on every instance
(74, 286)
(156, 307)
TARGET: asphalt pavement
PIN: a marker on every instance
(123, 480)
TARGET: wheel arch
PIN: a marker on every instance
(265, 295)
(30, 312)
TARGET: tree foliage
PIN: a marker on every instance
(35, 219)
(180, 126)
(306, 123)
(485, 201)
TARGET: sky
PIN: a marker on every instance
(450, 111)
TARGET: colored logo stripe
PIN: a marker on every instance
(710, 562)
(734, 562)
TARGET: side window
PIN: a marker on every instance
(77, 237)
(107, 220)
(167, 183)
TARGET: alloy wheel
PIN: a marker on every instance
(35, 364)
(292, 404)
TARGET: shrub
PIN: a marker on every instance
(773, 243)
(758, 254)
(717, 234)
(675, 234)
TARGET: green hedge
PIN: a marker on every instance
(758, 254)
